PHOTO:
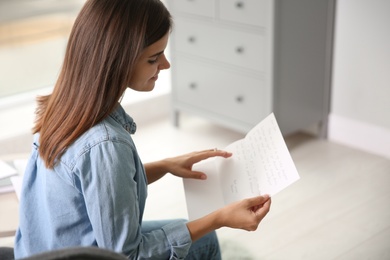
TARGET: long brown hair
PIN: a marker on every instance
(106, 39)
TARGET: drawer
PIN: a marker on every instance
(220, 44)
(221, 91)
(252, 12)
(196, 7)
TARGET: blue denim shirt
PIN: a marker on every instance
(94, 196)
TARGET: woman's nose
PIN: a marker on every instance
(164, 63)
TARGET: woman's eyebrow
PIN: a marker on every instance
(157, 54)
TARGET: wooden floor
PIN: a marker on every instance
(339, 209)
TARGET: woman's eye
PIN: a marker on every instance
(152, 61)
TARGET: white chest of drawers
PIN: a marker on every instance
(236, 61)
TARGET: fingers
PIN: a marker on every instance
(263, 210)
(202, 155)
(259, 205)
(190, 174)
(255, 201)
(196, 175)
(214, 152)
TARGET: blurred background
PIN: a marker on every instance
(33, 36)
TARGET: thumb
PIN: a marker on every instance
(259, 200)
(195, 175)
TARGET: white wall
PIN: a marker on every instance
(360, 99)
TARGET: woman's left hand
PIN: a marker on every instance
(181, 166)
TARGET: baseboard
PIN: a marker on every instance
(361, 135)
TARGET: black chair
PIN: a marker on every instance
(72, 253)
(6, 253)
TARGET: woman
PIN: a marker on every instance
(85, 184)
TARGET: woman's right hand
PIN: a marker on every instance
(245, 214)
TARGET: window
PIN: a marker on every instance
(33, 36)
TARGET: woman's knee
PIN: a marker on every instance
(207, 247)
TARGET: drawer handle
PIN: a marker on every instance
(191, 39)
(240, 50)
(240, 5)
(240, 99)
(193, 85)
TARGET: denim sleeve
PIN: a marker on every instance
(112, 181)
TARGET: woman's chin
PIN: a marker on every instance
(146, 88)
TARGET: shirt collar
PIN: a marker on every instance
(120, 115)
